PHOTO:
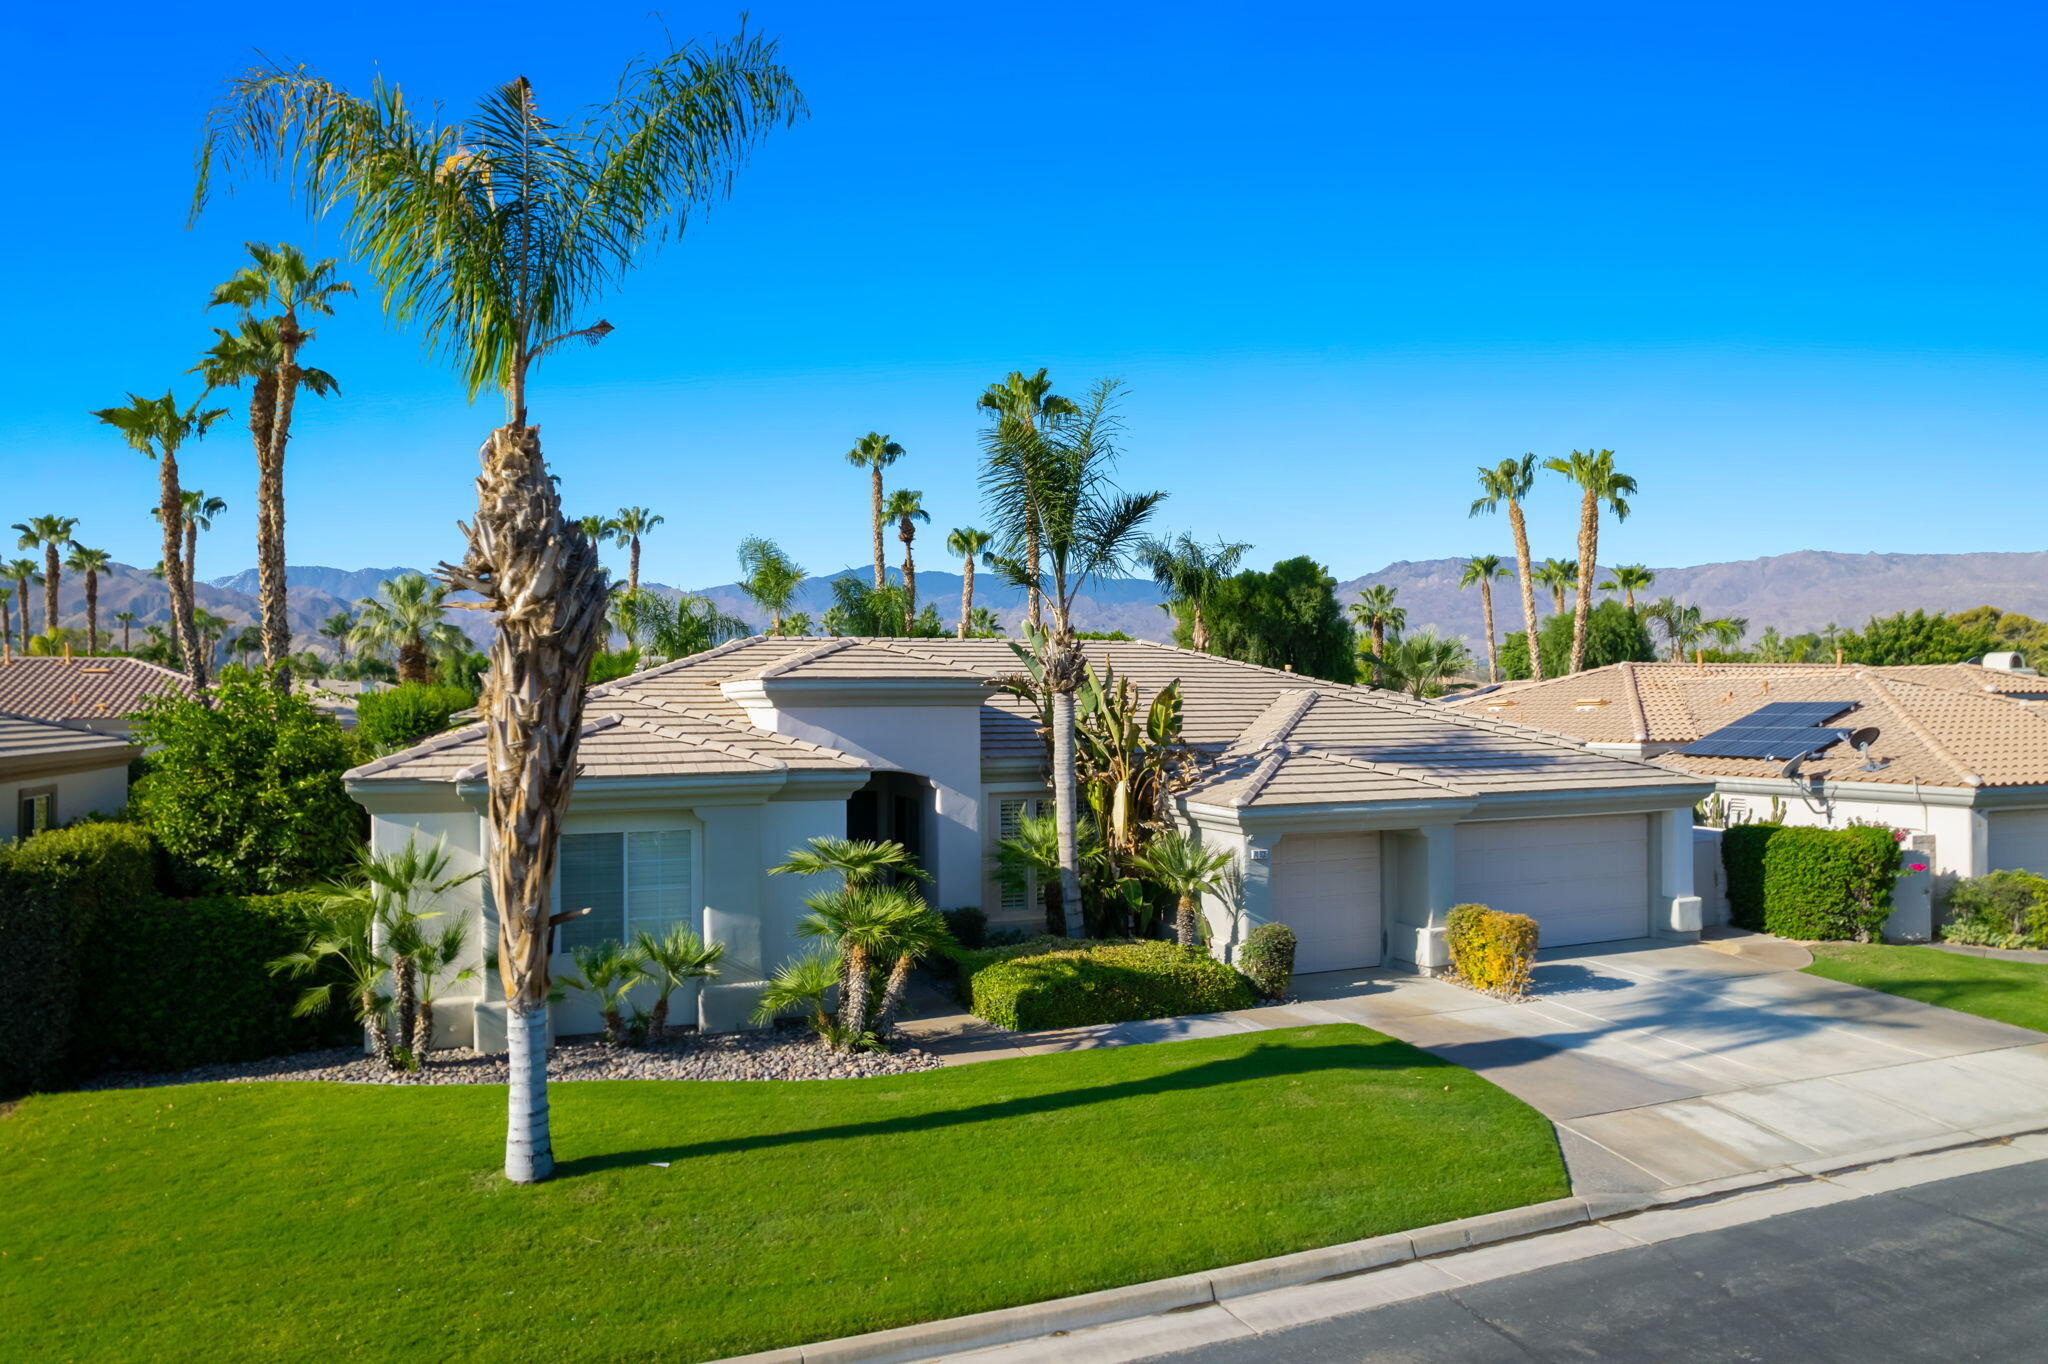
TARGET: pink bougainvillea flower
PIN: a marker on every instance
(1918, 866)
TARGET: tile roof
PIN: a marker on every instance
(1938, 725)
(28, 741)
(83, 689)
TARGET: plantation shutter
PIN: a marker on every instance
(657, 881)
(593, 873)
(1011, 812)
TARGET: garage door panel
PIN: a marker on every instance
(1582, 880)
(1326, 887)
(2019, 841)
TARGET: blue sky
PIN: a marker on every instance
(1785, 260)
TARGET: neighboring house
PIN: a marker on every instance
(1358, 817)
(86, 693)
(1960, 757)
(51, 774)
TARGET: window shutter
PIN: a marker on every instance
(658, 881)
(1009, 819)
(594, 874)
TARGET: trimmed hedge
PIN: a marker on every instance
(1267, 959)
(408, 713)
(2004, 909)
(1077, 984)
(1818, 885)
(1492, 951)
(1742, 859)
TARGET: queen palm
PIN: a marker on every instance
(906, 509)
(1628, 579)
(406, 617)
(159, 428)
(90, 563)
(1029, 402)
(1187, 871)
(969, 544)
(876, 452)
(1560, 576)
(127, 619)
(1508, 482)
(1190, 573)
(628, 527)
(769, 577)
(1482, 571)
(24, 574)
(1599, 482)
(497, 234)
(52, 534)
(1376, 613)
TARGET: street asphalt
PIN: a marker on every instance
(1954, 1270)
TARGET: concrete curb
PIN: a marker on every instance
(1007, 1325)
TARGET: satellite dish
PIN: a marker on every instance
(1790, 771)
(1861, 740)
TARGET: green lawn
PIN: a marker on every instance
(2009, 991)
(254, 1221)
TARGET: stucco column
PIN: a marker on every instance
(1439, 893)
(1255, 904)
(731, 880)
(1676, 911)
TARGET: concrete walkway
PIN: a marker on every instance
(1663, 1065)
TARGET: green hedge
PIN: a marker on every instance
(408, 713)
(1267, 959)
(1829, 884)
(1742, 858)
(2004, 909)
(1077, 984)
(62, 893)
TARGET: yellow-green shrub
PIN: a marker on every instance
(1491, 951)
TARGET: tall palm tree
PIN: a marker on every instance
(906, 509)
(1560, 576)
(338, 627)
(158, 428)
(1599, 482)
(1187, 871)
(1686, 626)
(627, 529)
(199, 512)
(1376, 614)
(1190, 572)
(1051, 480)
(1029, 402)
(1628, 579)
(769, 577)
(90, 562)
(24, 574)
(876, 452)
(499, 234)
(1482, 571)
(407, 617)
(970, 544)
(1509, 482)
(127, 619)
(52, 534)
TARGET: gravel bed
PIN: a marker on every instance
(720, 1056)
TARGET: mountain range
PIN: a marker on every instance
(1799, 591)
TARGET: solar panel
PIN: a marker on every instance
(1778, 731)
(1794, 713)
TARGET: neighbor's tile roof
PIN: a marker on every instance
(1938, 725)
(23, 739)
(84, 689)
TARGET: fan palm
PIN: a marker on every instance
(1560, 576)
(801, 983)
(159, 428)
(1424, 664)
(607, 972)
(1599, 482)
(918, 935)
(1028, 402)
(343, 943)
(1509, 482)
(856, 862)
(969, 544)
(24, 574)
(876, 452)
(627, 528)
(406, 617)
(1686, 626)
(90, 563)
(863, 923)
(1377, 614)
(1187, 871)
(670, 962)
(1190, 572)
(52, 534)
(338, 627)
(1482, 571)
(1628, 579)
(906, 509)
(127, 619)
(769, 577)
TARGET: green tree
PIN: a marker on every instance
(1187, 871)
(769, 577)
(1376, 614)
(1628, 579)
(408, 713)
(670, 962)
(1508, 483)
(1614, 634)
(906, 509)
(338, 627)
(1287, 617)
(1190, 572)
(969, 544)
(1915, 637)
(1024, 402)
(1483, 571)
(407, 616)
(628, 527)
(876, 452)
(53, 535)
(1598, 483)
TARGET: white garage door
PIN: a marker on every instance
(1582, 880)
(1326, 887)
(2019, 841)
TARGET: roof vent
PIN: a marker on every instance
(2008, 662)
(1589, 703)
(1502, 704)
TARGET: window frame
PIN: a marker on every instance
(622, 826)
(23, 798)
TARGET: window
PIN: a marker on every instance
(1011, 812)
(632, 882)
(37, 812)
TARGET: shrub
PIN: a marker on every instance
(1101, 982)
(1267, 959)
(2003, 909)
(1742, 858)
(1491, 951)
(245, 794)
(968, 925)
(61, 893)
(403, 716)
(1829, 884)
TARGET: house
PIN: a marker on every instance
(1959, 758)
(51, 774)
(1359, 817)
(85, 693)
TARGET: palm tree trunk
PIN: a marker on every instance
(1379, 653)
(171, 507)
(1589, 543)
(53, 570)
(1486, 603)
(540, 574)
(405, 1001)
(1031, 553)
(909, 581)
(1521, 531)
(1184, 929)
(92, 612)
(412, 661)
(1198, 627)
(1065, 800)
(124, 635)
(966, 594)
(272, 429)
(6, 617)
(633, 567)
(881, 572)
(1628, 599)
(853, 1002)
(422, 1033)
(892, 996)
(21, 595)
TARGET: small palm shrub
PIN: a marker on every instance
(802, 985)
(607, 972)
(1492, 952)
(668, 962)
(2004, 909)
(1267, 959)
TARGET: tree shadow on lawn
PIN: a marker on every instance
(1265, 1061)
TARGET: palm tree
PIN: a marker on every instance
(1509, 482)
(338, 627)
(969, 544)
(1628, 579)
(986, 624)
(1423, 664)
(406, 616)
(52, 533)
(627, 527)
(865, 924)
(801, 983)
(198, 513)
(672, 961)
(1049, 493)
(1560, 576)
(856, 862)
(1686, 626)
(769, 577)
(127, 619)
(1375, 612)
(158, 427)
(876, 452)
(1594, 472)
(498, 233)
(211, 629)
(90, 562)
(918, 935)
(1029, 402)
(1187, 871)
(24, 574)
(906, 509)
(1190, 572)
(607, 972)
(1482, 571)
